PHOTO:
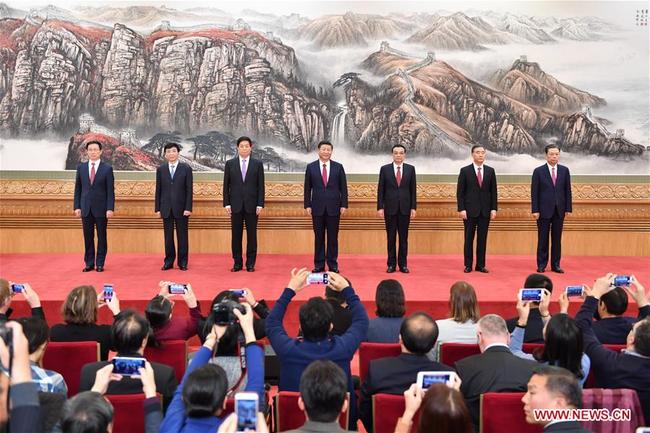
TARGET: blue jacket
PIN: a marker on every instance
(296, 354)
(612, 369)
(175, 419)
(321, 199)
(545, 197)
(97, 198)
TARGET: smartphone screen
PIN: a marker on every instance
(622, 280)
(317, 278)
(531, 295)
(246, 409)
(107, 293)
(127, 366)
(430, 379)
(17, 288)
(574, 290)
(177, 289)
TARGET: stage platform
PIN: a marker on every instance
(136, 278)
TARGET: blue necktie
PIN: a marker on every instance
(243, 170)
(173, 170)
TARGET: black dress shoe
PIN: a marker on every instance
(404, 270)
(558, 270)
(390, 269)
(166, 267)
(335, 270)
(540, 270)
(100, 269)
(183, 268)
(467, 269)
(317, 270)
(250, 268)
(88, 269)
(236, 269)
(483, 270)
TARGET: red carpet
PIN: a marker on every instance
(136, 277)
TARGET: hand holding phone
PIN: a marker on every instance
(246, 407)
(107, 293)
(177, 289)
(531, 295)
(17, 288)
(573, 291)
(318, 278)
(427, 378)
(127, 366)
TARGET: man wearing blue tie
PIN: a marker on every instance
(94, 202)
(550, 192)
(325, 199)
(173, 203)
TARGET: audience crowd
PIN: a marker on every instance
(315, 362)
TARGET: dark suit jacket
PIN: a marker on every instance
(392, 375)
(99, 197)
(164, 376)
(247, 194)
(392, 198)
(534, 332)
(566, 427)
(612, 369)
(614, 330)
(545, 197)
(173, 197)
(472, 199)
(495, 370)
(321, 199)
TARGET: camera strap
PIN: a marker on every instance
(241, 350)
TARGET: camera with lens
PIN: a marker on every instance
(223, 312)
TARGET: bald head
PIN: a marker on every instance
(419, 333)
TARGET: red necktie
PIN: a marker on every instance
(553, 175)
(399, 175)
(92, 173)
(480, 177)
(325, 175)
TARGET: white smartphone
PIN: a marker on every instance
(246, 407)
(531, 295)
(427, 378)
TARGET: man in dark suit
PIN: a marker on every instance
(476, 194)
(243, 198)
(613, 327)
(629, 368)
(174, 205)
(326, 199)
(394, 375)
(396, 203)
(550, 192)
(495, 369)
(553, 388)
(129, 333)
(94, 202)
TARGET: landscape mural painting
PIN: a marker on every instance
(436, 77)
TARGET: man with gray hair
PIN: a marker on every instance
(495, 369)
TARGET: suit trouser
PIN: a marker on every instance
(479, 226)
(397, 224)
(89, 223)
(182, 236)
(237, 221)
(554, 226)
(326, 224)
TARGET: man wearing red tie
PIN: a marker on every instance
(476, 194)
(396, 203)
(550, 192)
(94, 202)
(325, 199)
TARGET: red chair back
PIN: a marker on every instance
(386, 408)
(452, 352)
(288, 415)
(591, 379)
(68, 357)
(370, 351)
(172, 353)
(128, 412)
(531, 347)
(504, 412)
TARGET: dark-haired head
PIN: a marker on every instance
(323, 387)
(228, 341)
(315, 319)
(613, 302)
(389, 299)
(204, 391)
(476, 146)
(36, 331)
(88, 143)
(158, 311)
(171, 145)
(130, 332)
(563, 344)
(463, 305)
(444, 408)
(87, 412)
(538, 281)
(551, 146)
(244, 139)
(561, 383)
(325, 143)
(419, 333)
(397, 146)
